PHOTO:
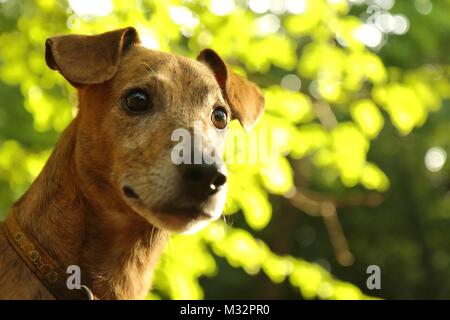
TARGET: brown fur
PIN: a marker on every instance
(75, 209)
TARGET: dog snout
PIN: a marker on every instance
(204, 179)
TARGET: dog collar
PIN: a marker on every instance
(50, 274)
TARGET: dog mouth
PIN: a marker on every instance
(129, 192)
(179, 215)
(192, 211)
(188, 210)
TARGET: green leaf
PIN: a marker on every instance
(368, 117)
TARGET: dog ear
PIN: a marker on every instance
(83, 59)
(244, 97)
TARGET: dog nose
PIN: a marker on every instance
(204, 179)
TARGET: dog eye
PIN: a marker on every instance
(137, 101)
(219, 118)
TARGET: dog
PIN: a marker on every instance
(109, 195)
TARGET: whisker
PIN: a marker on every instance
(151, 235)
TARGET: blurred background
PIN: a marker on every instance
(358, 91)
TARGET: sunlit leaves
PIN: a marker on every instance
(26, 67)
(248, 252)
(373, 178)
(403, 104)
(345, 32)
(363, 66)
(26, 165)
(308, 139)
(346, 152)
(426, 89)
(307, 279)
(242, 250)
(337, 70)
(291, 106)
(306, 22)
(276, 177)
(314, 39)
(258, 58)
(314, 282)
(277, 268)
(184, 260)
(251, 198)
(349, 147)
(319, 56)
(45, 107)
(408, 100)
(368, 117)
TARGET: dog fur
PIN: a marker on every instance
(76, 209)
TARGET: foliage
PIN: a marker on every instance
(350, 97)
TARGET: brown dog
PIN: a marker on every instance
(110, 193)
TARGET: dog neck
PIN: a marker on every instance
(114, 247)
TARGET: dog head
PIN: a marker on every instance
(134, 106)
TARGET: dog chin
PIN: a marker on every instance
(180, 220)
(182, 225)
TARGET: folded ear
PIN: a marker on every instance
(244, 97)
(85, 59)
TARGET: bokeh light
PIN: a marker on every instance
(369, 35)
(87, 8)
(291, 82)
(222, 7)
(435, 159)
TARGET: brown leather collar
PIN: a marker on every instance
(51, 275)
